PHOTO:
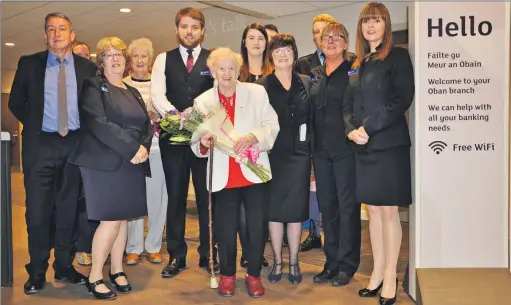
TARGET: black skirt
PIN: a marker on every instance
(118, 195)
(290, 186)
(384, 177)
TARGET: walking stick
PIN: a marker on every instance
(213, 284)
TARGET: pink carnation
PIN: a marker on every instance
(251, 153)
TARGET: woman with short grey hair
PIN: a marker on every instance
(140, 63)
(249, 110)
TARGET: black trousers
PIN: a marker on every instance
(243, 231)
(227, 211)
(51, 186)
(335, 188)
(177, 162)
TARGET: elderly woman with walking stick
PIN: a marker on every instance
(247, 108)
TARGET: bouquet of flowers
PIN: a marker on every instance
(184, 128)
(180, 126)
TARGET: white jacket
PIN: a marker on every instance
(253, 114)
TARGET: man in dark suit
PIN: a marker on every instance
(178, 77)
(305, 64)
(44, 98)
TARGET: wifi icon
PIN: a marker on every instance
(437, 146)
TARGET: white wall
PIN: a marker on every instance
(224, 28)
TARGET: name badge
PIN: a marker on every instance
(207, 72)
(303, 132)
(352, 71)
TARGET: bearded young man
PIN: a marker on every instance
(178, 77)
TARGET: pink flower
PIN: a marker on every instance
(252, 154)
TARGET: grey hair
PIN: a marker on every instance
(142, 43)
(56, 15)
(219, 53)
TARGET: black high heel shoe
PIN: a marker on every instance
(367, 293)
(91, 287)
(387, 301)
(273, 276)
(297, 277)
(120, 288)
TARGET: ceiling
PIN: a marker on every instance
(23, 22)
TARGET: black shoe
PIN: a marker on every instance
(311, 242)
(33, 285)
(120, 288)
(273, 276)
(70, 275)
(296, 276)
(324, 276)
(387, 301)
(367, 293)
(91, 287)
(204, 264)
(173, 268)
(341, 279)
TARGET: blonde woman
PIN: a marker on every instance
(334, 163)
(141, 58)
(112, 156)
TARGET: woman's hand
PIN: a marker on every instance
(358, 137)
(363, 133)
(205, 139)
(141, 155)
(243, 143)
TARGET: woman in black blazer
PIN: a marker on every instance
(334, 161)
(381, 90)
(112, 156)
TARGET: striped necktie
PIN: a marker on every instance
(189, 61)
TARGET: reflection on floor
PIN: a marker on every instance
(192, 286)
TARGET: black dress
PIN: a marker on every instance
(377, 98)
(121, 194)
(290, 157)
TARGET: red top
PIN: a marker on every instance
(236, 177)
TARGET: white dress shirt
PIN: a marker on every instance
(158, 79)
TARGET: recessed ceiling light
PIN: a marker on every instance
(9, 44)
(125, 10)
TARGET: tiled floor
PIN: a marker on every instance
(192, 286)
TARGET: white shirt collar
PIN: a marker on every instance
(195, 51)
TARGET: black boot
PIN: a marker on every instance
(313, 241)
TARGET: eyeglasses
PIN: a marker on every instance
(333, 37)
(116, 55)
(283, 51)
